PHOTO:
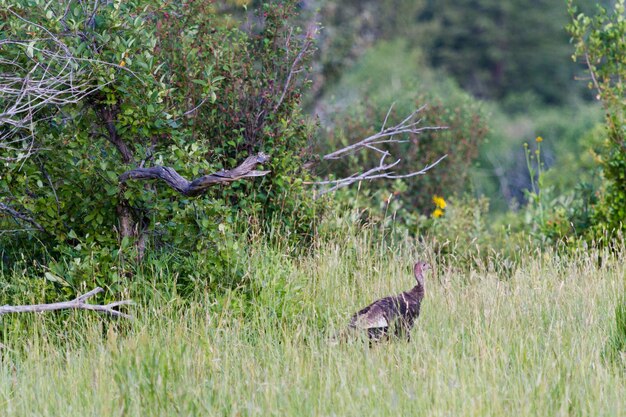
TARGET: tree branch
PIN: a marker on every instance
(199, 185)
(385, 135)
(108, 114)
(294, 69)
(410, 125)
(381, 171)
(17, 215)
(40, 73)
(79, 303)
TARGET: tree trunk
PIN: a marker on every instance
(126, 222)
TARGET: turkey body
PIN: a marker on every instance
(398, 312)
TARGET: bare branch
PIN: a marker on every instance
(37, 74)
(378, 172)
(79, 303)
(294, 70)
(204, 100)
(387, 116)
(199, 185)
(410, 125)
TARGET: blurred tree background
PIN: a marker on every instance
(511, 60)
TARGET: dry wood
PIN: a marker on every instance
(79, 303)
(52, 77)
(380, 171)
(386, 135)
(199, 185)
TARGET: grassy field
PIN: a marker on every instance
(531, 344)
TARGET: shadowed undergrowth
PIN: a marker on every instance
(531, 344)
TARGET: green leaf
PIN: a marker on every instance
(30, 48)
(53, 278)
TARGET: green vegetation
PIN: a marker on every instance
(196, 95)
(389, 76)
(176, 154)
(601, 42)
(502, 50)
(532, 344)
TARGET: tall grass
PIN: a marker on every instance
(530, 344)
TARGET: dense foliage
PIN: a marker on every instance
(179, 85)
(601, 43)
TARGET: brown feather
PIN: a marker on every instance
(400, 311)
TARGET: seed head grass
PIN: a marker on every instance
(529, 344)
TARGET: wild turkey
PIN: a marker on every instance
(399, 311)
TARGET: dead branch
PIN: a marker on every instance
(199, 185)
(79, 303)
(36, 74)
(381, 171)
(294, 69)
(386, 135)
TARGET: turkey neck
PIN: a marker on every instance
(418, 291)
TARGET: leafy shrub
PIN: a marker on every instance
(600, 43)
(465, 236)
(178, 85)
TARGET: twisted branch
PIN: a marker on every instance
(199, 185)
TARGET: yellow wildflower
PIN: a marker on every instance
(539, 139)
(439, 202)
(437, 213)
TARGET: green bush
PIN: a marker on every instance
(466, 235)
(600, 42)
(390, 74)
(178, 85)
